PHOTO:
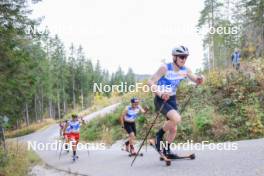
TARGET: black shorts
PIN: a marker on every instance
(130, 127)
(169, 105)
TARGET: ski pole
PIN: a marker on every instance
(58, 146)
(146, 109)
(146, 143)
(152, 124)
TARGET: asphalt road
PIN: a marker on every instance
(247, 160)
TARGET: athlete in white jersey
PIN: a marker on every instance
(74, 126)
(164, 84)
(127, 119)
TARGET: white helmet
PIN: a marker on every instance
(180, 51)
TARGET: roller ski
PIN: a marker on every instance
(131, 150)
(175, 157)
(172, 156)
(134, 154)
(163, 157)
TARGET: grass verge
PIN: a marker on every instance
(17, 160)
(29, 129)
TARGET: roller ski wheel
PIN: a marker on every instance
(192, 156)
(162, 156)
(168, 163)
(134, 154)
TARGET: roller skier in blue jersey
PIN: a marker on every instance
(127, 120)
(72, 128)
(164, 84)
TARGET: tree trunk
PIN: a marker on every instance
(41, 104)
(89, 100)
(209, 49)
(2, 138)
(64, 107)
(27, 116)
(35, 107)
(212, 39)
(54, 111)
(50, 109)
(82, 98)
(58, 104)
(73, 93)
(17, 124)
(64, 100)
(39, 110)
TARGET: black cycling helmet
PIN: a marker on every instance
(134, 100)
(74, 115)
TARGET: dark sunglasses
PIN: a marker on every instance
(182, 57)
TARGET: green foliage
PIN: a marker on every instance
(254, 125)
(203, 119)
(3, 157)
(105, 128)
(18, 160)
(141, 119)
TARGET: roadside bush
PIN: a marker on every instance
(203, 121)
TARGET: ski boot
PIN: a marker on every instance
(127, 146)
(169, 154)
(132, 150)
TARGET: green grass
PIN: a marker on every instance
(99, 128)
(17, 161)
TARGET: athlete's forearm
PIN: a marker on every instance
(154, 88)
(142, 111)
(65, 127)
(152, 82)
(122, 120)
(192, 76)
